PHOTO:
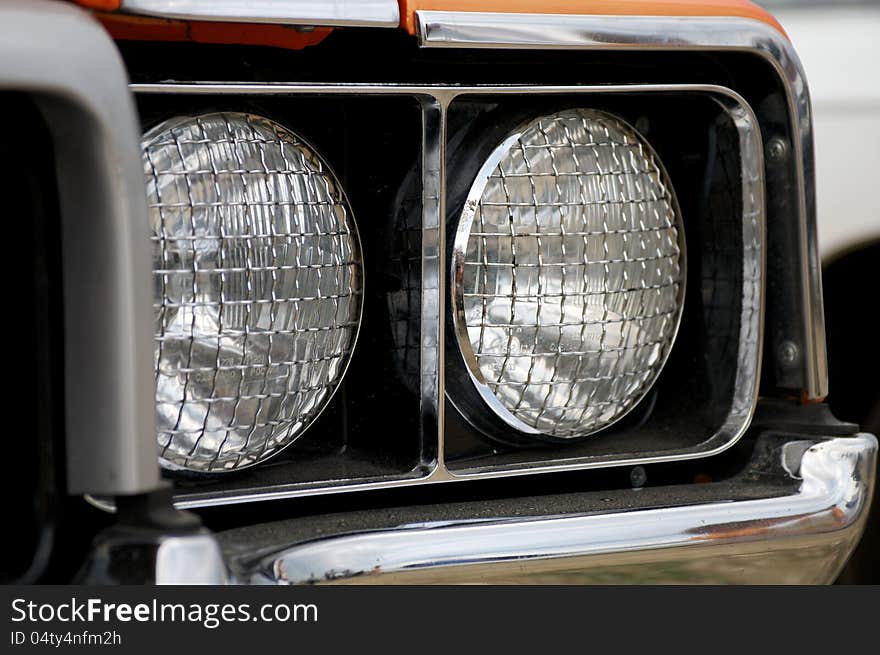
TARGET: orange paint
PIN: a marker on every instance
(103, 5)
(139, 28)
(740, 8)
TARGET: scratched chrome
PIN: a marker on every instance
(804, 537)
(329, 13)
(435, 104)
(549, 31)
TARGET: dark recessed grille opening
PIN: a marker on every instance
(27, 182)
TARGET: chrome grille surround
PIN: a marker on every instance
(435, 102)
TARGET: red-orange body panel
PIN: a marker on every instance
(104, 5)
(127, 27)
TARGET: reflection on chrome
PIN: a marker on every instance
(190, 560)
(802, 537)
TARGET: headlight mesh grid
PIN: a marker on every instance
(258, 283)
(569, 274)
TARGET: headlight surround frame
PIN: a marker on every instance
(724, 311)
(444, 455)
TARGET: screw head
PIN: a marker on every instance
(777, 149)
(789, 353)
(638, 476)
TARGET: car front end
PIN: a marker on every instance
(421, 292)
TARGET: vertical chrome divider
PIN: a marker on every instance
(434, 110)
(431, 370)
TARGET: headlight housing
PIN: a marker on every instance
(409, 411)
(258, 287)
(567, 274)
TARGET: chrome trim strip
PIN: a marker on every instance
(433, 281)
(324, 13)
(435, 102)
(752, 329)
(803, 537)
(549, 31)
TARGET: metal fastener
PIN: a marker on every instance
(777, 149)
(638, 476)
(789, 353)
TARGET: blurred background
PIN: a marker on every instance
(839, 45)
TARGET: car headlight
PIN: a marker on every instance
(258, 287)
(568, 274)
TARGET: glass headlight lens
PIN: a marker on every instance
(258, 287)
(568, 274)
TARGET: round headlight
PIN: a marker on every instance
(568, 274)
(258, 284)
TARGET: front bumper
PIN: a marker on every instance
(793, 515)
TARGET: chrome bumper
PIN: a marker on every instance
(802, 531)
